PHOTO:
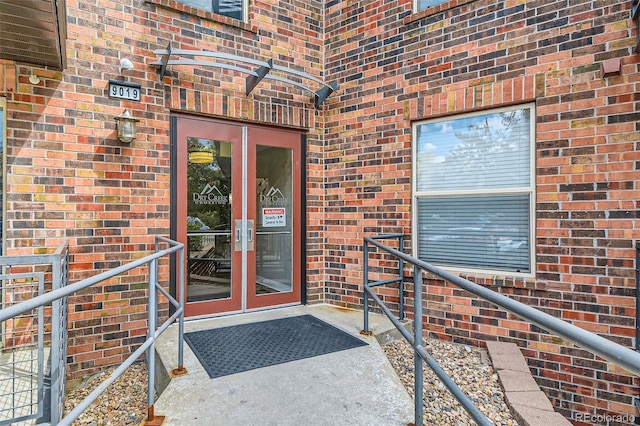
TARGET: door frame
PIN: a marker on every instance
(279, 139)
(299, 191)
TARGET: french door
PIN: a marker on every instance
(238, 210)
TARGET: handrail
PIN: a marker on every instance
(611, 351)
(153, 331)
(399, 280)
(51, 392)
(47, 298)
(420, 353)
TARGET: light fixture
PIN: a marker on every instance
(201, 157)
(126, 126)
(610, 68)
(125, 64)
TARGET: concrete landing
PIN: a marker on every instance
(353, 387)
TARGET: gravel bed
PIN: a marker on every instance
(468, 369)
(125, 401)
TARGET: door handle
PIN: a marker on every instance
(250, 242)
(237, 244)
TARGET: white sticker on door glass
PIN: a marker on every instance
(274, 217)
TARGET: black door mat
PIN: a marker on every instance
(244, 347)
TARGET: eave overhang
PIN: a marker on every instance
(34, 32)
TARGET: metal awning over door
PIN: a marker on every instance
(263, 69)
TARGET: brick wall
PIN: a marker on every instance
(395, 67)
(69, 176)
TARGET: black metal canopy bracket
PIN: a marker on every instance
(163, 61)
(254, 77)
(324, 93)
(253, 80)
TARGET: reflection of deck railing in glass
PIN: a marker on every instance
(209, 265)
(273, 261)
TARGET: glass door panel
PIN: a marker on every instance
(274, 190)
(209, 183)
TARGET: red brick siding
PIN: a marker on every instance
(395, 67)
(69, 176)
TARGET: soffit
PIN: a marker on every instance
(34, 32)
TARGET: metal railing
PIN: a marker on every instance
(620, 355)
(637, 302)
(30, 387)
(153, 330)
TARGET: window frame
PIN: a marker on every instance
(432, 10)
(205, 13)
(531, 190)
(416, 5)
(3, 170)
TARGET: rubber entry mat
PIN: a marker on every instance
(244, 347)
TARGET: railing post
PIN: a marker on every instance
(401, 284)
(365, 251)
(152, 419)
(636, 401)
(152, 325)
(57, 378)
(180, 370)
(637, 296)
(417, 341)
(59, 333)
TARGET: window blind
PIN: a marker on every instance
(230, 8)
(487, 232)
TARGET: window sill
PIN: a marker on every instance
(210, 16)
(493, 280)
(448, 5)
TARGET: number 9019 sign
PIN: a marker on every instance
(124, 90)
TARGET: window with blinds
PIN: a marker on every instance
(474, 190)
(231, 8)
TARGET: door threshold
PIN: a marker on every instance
(238, 313)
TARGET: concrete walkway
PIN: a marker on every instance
(353, 387)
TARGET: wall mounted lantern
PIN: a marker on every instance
(126, 126)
